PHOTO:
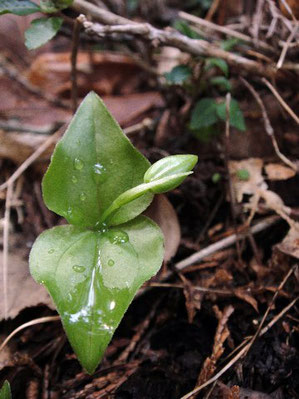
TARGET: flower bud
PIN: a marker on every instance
(169, 172)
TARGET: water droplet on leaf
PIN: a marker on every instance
(73, 215)
(111, 262)
(82, 196)
(118, 237)
(51, 251)
(78, 164)
(74, 179)
(78, 269)
(100, 173)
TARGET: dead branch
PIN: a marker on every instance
(167, 37)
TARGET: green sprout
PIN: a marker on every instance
(94, 266)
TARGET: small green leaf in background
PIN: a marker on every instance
(204, 114)
(41, 31)
(205, 4)
(216, 178)
(5, 392)
(179, 74)
(222, 82)
(217, 62)
(50, 6)
(229, 44)
(243, 174)
(132, 5)
(18, 7)
(207, 133)
(184, 28)
(236, 117)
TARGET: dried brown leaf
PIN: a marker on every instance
(23, 291)
(163, 213)
(290, 244)
(276, 171)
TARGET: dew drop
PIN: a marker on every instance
(74, 179)
(78, 269)
(111, 262)
(100, 173)
(73, 215)
(78, 164)
(118, 237)
(51, 251)
(83, 197)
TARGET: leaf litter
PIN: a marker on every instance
(187, 336)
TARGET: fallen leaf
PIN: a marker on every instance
(290, 244)
(240, 293)
(22, 290)
(221, 335)
(104, 72)
(241, 187)
(163, 213)
(276, 171)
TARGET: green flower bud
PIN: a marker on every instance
(169, 172)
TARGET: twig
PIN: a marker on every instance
(33, 157)
(268, 127)
(230, 185)
(173, 38)
(224, 243)
(225, 30)
(212, 10)
(74, 54)
(6, 246)
(17, 127)
(99, 14)
(281, 285)
(281, 100)
(286, 46)
(146, 123)
(257, 18)
(238, 355)
(46, 319)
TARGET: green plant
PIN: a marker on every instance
(5, 392)
(92, 268)
(207, 112)
(41, 30)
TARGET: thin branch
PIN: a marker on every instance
(226, 160)
(18, 127)
(33, 157)
(227, 31)
(240, 354)
(74, 54)
(170, 37)
(225, 243)
(99, 14)
(280, 287)
(281, 100)
(268, 127)
(9, 195)
(286, 46)
(46, 319)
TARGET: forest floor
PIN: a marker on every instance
(221, 317)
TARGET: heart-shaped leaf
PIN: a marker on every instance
(91, 166)
(93, 276)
